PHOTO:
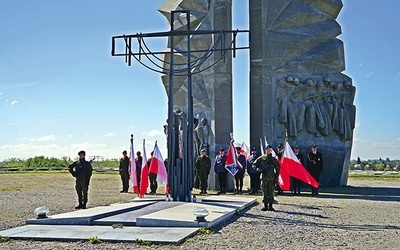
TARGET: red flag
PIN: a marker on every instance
(157, 166)
(292, 167)
(133, 175)
(231, 163)
(144, 177)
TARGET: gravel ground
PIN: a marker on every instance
(364, 215)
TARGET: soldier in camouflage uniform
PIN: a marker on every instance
(269, 167)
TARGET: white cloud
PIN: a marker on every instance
(370, 74)
(109, 134)
(396, 77)
(30, 146)
(12, 103)
(153, 132)
(44, 138)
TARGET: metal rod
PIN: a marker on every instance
(170, 122)
(181, 33)
(189, 130)
(181, 52)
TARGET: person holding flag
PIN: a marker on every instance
(254, 175)
(219, 169)
(157, 167)
(138, 163)
(132, 172)
(241, 159)
(269, 167)
(290, 166)
(296, 183)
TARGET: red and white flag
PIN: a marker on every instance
(245, 150)
(291, 166)
(157, 166)
(133, 175)
(144, 177)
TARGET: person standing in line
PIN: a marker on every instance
(314, 166)
(269, 167)
(138, 163)
(240, 174)
(254, 175)
(124, 171)
(296, 183)
(279, 154)
(203, 166)
(82, 171)
(152, 176)
(220, 170)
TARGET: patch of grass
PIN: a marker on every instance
(4, 189)
(377, 177)
(204, 230)
(21, 171)
(4, 239)
(141, 242)
(238, 211)
(94, 240)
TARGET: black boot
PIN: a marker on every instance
(79, 206)
(265, 208)
(270, 208)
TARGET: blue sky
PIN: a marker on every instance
(61, 91)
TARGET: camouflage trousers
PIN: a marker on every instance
(268, 188)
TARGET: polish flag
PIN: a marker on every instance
(157, 166)
(245, 150)
(133, 176)
(291, 166)
(144, 177)
(231, 163)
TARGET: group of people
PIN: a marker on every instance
(82, 171)
(263, 171)
(124, 171)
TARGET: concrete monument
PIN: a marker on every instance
(296, 84)
(211, 79)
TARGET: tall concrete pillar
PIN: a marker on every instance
(296, 84)
(211, 84)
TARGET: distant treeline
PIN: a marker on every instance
(41, 162)
(375, 165)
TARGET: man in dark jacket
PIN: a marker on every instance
(124, 172)
(152, 176)
(240, 174)
(220, 170)
(296, 183)
(203, 166)
(254, 175)
(314, 165)
(279, 154)
(82, 171)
